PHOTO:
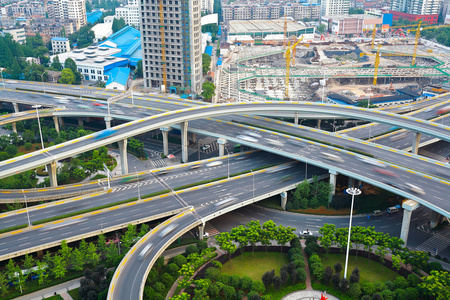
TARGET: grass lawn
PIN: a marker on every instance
(57, 297)
(74, 294)
(254, 266)
(372, 272)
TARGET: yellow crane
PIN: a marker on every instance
(374, 32)
(285, 33)
(287, 56)
(163, 43)
(294, 51)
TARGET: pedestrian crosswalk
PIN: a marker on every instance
(436, 244)
(158, 163)
(212, 147)
(211, 230)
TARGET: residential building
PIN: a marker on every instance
(429, 19)
(334, 7)
(244, 11)
(351, 24)
(94, 62)
(45, 37)
(171, 44)
(417, 7)
(207, 6)
(130, 13)
(53, 27)
(102, 31)
(118, 79)
(71, 9)
(18, 34)
(60, 45)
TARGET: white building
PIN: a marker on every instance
(130, 13)
(102, 30)
(60, 45)
(71, 9)
(334, 7)
(93, 62)
(207, 6)
(17, 34)
(417, 7)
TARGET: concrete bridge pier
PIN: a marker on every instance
(108, 122)
(184, 141)
(222, 143)
(201, 232)
(333, 178)
(123, 155)
(61, 121)
(192, 139)
(14, 126)
(318, 123)
(351, 182)
(296, 118)
(16, 107)
(55, 120)
(435, 219)
(51, 169)
(165, 135)
(416, 142)
(408, 207)
(283, 200)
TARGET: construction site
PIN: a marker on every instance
(356, 68)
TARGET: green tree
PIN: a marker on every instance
(59, 267)
(129, 237)
(41, 272)
(224, 241)
(396, 262)
(67, 76)
(92, 256)
(253, 233)
(118, 24)
(28, 263)
(437, 284)
(4, 286)
(284, 235)
(21, 279)
(355, 11)
(321, 28)
(56, 64)
(183, 296)
(138, 71)
(327, 237)
(302, 191)
(206, 63)
(65, 252)
(78, 260)
(208, 90)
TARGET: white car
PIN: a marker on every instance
(247, 138)
(332, 157)
(223, 202)
(372, 162)
(415, 189)
(214, 163)
(274, 142)
(253, 134)
(206, 147)
(305, 232)
(144, 251)
(167, 230)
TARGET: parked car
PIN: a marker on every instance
(377, 213)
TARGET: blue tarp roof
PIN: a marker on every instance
(93, 16)
(119, 75)
(208, 50)
(128, 40)
(60, 39)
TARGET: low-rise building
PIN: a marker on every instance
(118, 79)
(60, 45)
(128, 42)
(18, 34)
(102, 31)
(351, 24)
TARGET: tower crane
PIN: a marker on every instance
(285, 33)
(287, 56)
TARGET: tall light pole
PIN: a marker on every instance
(228, 155)
(39, 123)
(368, 103)
(42, 76)
(139, 191)
(26, 205)
(354, 192)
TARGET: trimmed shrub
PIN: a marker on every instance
(377, 296)
(390, 285)
(258, 287)
(327, 274)
(159, 287)
(179, 260)
(413, 280)
(311, 248)
(335, 279)
(191, 249)
(268, 277)
(253, 296)
(299, 263)
(172, 269)
(434, 266)
(212, 274)
(368, 288)
(301, 274)
(388, 295)
(344, 284)
(354, 290)
(288, 206)
(338, 268)
(277, 283)
(246, 283)
(401, 283)
(235, 281)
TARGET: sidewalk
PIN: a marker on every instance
(60, 289)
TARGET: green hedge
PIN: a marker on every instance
(13, 228)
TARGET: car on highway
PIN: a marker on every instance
(443, 110)
(83, 106)
(98, 104)
(162, 172)
(214, 164)
(168, 230)
(195, 167)
(104, 133)
(118, 111)
(286, 178)
(145, 251)
(377, 213)
(393, 209)
(305, 232)
(206, 147)
(398, 136)
(384, 172)
(333, 157)
(253, 134)
(372, 162)
(225, 201)
(274, 142)
(247, 138)
(415, 189)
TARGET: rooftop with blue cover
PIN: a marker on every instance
(128, 40)
(93, 16)
(119, 75)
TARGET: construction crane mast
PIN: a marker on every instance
(163, 43)
(294, 51)
(287, 56)
(285, 33)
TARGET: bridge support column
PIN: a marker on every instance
(351, 182)
(242, 148)
(184, 141)
(201, 232)
(318, 123)
(333, 177)
(51, 169)
(416, 142)
(435, 219)
(221, 143)
(14, 126)
(165, 135)
(108, 122)
(408, 207)
(193, 139)
(16, 107)
(123, 155)
(55, 120)
(80, 122)
(283, 200)
(296, 118)
(61, 121)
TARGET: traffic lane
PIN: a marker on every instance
(73, 227)
(400, 159)
(147, 185)
(133, 274)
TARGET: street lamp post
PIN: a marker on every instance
(354, 192)
(43, 84)
(39, 123)
(139, 191)
(368, 102)
(26, 205)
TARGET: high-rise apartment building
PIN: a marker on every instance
(171, 40)
(130, 13)
(207, 6)
(298, 11)
(71, 9)
(334, 7)
(417, 7)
